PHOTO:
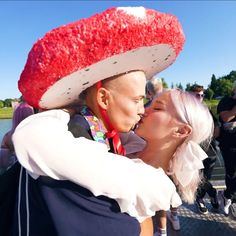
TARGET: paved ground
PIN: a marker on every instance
(194, 224)
(213, 224)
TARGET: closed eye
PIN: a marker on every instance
(158, 107)
(137, 100)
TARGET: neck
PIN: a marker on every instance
(93, 106)
(157, 154)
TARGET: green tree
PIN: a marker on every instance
(179, 86)
(7, 102)
(231, 76)
(209, 93)
(225, 87)
(165, 85)
(188, 87)
(1, 104)
(214, 83)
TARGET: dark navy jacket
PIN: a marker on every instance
(65, 209)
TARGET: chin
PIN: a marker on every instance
(124, 129)
(137, 131)
(140, 134)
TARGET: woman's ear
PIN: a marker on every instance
(183, 131)
(103, 96)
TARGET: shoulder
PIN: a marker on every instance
(79, 127)
(225, 104)
(224, 99)
(6, 140)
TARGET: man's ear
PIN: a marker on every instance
(183, 131)
(103, 96)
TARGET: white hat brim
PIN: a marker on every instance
(151, 60)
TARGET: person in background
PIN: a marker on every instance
(153, 87)
(197, 91)
(227, 117)
(7, 156)
(209, 163)
(10, 168)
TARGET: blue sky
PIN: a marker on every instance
(209, 26)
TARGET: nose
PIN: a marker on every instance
(141, 108)
(144, 113)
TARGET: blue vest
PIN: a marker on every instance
(65, 209)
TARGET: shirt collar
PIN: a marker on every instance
(97, 128)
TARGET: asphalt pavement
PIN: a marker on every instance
(195, 224)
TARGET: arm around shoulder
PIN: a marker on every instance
(44, 146)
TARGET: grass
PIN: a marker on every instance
(6, 113)
(212, 104)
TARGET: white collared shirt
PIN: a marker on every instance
(44, 146)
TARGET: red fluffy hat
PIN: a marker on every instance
(73, 57)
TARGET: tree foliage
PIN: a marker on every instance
(209, 93)
(223, 86)
(188, 87)
(7, 102)
(165, 85)
(1, 104)
(179, 86)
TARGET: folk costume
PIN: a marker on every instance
(69, 184)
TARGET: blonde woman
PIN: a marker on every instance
(173, 126)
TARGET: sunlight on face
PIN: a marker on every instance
(126, 100)
(160, 119)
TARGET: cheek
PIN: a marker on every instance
(155, 125)
(127, 109)
(155, 119)
(124, 116)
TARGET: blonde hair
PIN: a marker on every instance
(192, 112)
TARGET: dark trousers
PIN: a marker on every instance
(229, 156)
(206, 186)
